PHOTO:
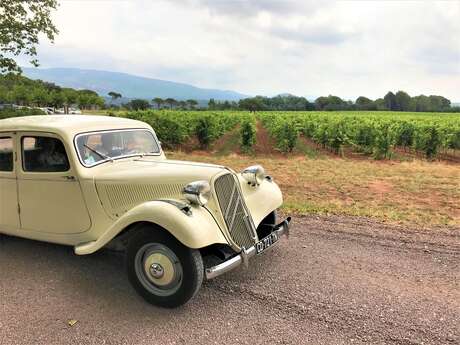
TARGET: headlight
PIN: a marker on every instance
(254, 174)
(198, 192)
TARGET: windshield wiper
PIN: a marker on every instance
(99, 153)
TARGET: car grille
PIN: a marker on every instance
(233, 209)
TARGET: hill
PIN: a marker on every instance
(130, 86)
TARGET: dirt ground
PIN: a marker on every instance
(336, 280)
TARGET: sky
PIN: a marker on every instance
(267, 47)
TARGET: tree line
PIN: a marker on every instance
(399, 101)
(22, 91)
(19, 90)
(157, 102)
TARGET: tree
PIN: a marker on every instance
(40, 97)
(4, 96)
(192, 103)
(331, 103)
(138, 104)
(88, 92)
(252, 104)
(171, 102)
(279, 102)
(21, 24)
(212, 104)
(421, 103)
(321, 102)
(70, 96)
(158, 101)
(439, 103)
(87, 99)
(57, 99)
(390, 101)
(403, 101)
(49, 86)
(20, 90)
(380, 104)
(114, 96)
(364, 103)
(182, 105)
(309, 105)
(20, 95)
(97, 101)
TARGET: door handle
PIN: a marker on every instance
(69, 178)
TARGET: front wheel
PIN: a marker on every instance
(161, 269)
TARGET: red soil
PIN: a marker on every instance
(265, 145)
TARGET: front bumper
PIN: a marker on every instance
(243, 258)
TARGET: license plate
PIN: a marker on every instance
(266, 242)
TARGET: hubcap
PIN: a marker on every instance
(158, 269)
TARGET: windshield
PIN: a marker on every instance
(97, 147)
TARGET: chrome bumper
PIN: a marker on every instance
(243, 258)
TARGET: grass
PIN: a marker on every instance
(227, 144)
(416, 192)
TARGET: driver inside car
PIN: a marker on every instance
(106, 147)
(96, 148)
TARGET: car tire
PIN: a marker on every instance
(161, 269)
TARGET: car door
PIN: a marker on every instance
(9, 215)
(50, 196)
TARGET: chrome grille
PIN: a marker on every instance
(234, 211)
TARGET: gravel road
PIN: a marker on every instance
(336, 280)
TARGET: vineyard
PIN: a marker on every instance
(176, 128)
(374, 133)
(377, 134)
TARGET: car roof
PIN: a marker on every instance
(68, 125)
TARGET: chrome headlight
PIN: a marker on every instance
(254, 175)
(198, 192)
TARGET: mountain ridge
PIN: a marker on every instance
(130, 86)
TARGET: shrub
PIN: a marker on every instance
(6, 112)
(205, 131)
(248, 133)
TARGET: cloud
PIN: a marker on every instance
(248, 8)
(439, 51)
(267, 47)
(439, 59)
(271, 16)
(316, 35)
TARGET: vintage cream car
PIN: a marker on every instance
(93, 182)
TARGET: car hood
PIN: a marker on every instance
(145, 170)
(124, 185)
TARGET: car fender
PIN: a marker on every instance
(261, 200)
(196, 230)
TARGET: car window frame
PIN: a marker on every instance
(6, 135)
(44, 135)
(80, 159)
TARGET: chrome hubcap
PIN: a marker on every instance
(156, 270)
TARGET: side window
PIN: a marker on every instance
(43, 154)
(6, 154)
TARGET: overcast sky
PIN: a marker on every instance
(268, 47)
